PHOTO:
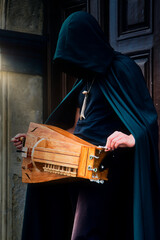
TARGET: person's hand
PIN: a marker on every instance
(18, 140)
(119, 139)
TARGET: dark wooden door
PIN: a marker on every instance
(134, 30)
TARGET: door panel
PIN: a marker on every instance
(134, 30)
(134, 18)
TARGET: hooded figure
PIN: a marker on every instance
(127, 206)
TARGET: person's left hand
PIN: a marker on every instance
(119, 139)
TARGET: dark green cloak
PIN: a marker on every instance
(83, 49)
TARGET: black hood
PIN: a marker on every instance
(82, 46)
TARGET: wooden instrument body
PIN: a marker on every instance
(51, 153)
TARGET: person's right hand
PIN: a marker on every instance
(18, 140)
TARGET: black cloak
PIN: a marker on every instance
(83, 49)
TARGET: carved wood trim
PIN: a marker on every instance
(144, 60)
(125, 31)
(117, 35)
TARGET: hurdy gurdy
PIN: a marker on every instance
(51, 153)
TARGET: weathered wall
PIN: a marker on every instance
(21, 101)
(24, 105)
(22, 16)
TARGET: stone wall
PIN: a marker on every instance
(21, 101)
(22, 16)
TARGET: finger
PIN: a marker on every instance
(110, 139)
(17, 136)
(115, 141)
(120, 143)
(19, 147)
(14, 139)
(20, 135)
(17, 143)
